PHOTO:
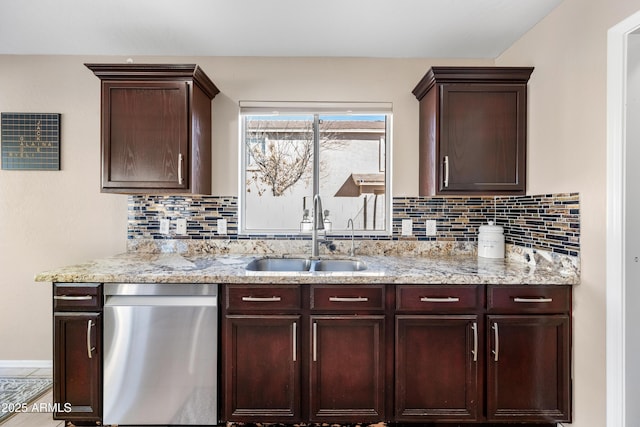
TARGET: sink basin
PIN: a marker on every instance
(339, 265)
(302, 265)
(279, 264)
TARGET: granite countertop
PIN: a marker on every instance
(230, 268)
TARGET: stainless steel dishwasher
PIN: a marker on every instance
(160, 354)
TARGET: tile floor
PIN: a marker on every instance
(31, 419)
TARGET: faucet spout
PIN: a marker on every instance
(318, 224)
(352, 252)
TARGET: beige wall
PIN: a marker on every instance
(567, 152)
(50, 219)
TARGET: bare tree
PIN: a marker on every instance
(280, 153)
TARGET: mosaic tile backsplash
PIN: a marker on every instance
(548, 222)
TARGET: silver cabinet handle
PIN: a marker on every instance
(474, 326)
(180, 168)
(440, 299)
(73, 298)
(295, 341)
(315, 342)
(348, 299)
(535, 300)
(496, 337)
(446, 171)
(261, 299)
(89, 348)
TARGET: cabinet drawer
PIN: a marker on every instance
(341, 297)
(262, 297)
(438, 298)
(77, 296)
(529, 299)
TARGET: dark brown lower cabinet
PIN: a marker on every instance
(437, 368)
(77, 374)
(429, 355)
(347, 368)
(464, 355)
(262, 382)
(528, 368)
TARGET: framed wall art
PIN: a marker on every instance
(30, 141)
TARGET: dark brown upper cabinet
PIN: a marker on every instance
(155, 128)
(473, 130)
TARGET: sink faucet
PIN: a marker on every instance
(318, 224)
(352, 252)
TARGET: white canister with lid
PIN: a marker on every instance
(491, 241)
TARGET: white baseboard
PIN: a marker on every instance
(26, 363)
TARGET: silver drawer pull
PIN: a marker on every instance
(440, 299)
(315, 341)
(89, 348)
(496, 342)
(72, 298)
(261, 299)
(535, 300)
(348, 299)
(474, 327)
(295, 341)
(446, 171)
(180, 168)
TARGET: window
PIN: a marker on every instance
(279, 142)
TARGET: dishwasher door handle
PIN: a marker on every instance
(167, 301)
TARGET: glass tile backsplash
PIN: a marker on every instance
(549, 222)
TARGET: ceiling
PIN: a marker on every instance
(350, 28)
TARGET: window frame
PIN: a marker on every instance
(281, 108)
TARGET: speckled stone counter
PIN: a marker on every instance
(142, 267)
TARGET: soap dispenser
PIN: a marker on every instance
(306, 226)
(327, 222)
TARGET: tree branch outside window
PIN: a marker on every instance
(283, 156)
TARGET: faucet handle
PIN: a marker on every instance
(329, 245)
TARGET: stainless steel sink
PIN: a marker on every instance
(301, 265)
(339, 265)
(279, 264)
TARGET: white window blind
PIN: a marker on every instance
(266, 108)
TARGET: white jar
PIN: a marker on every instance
(491, 241)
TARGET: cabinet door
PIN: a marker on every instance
(436, 368)
(77, 375)
(483, 138)
(145, 138)
(528, 376)
(262, 374)
(347, 381)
